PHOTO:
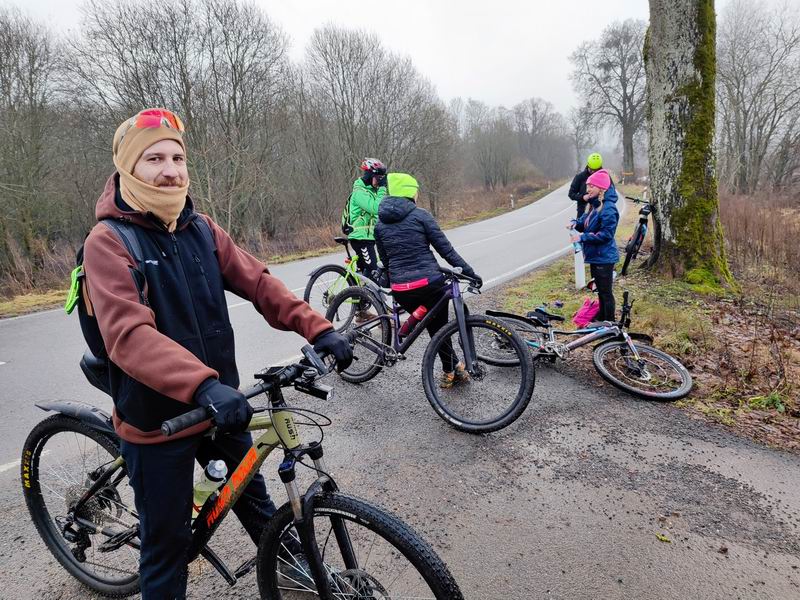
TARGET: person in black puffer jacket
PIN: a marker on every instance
(404, 235)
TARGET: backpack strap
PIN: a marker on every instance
(127, 233)
(201, 223)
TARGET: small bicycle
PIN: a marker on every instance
(495, 395)
(634, 243)
(629, 365)
(76, 488)
(328, 280)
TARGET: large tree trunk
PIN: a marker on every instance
(680, 63)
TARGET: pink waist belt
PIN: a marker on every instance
(411, 285)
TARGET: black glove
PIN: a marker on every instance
(477, 280)
(227, 407)
(381, 180)
(331, 342)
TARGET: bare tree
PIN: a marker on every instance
(609, 76)
(759, 94)
(581, 133)
(681, 107)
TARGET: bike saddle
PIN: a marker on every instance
(545, 316)
(341, 240)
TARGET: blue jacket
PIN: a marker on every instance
(598, 231)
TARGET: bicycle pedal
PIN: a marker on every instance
(118, 540)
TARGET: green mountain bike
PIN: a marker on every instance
(76, 488)
(328, 280)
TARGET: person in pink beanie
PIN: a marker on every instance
(596, 232)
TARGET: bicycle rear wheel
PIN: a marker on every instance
(499, 352)
(368, 553)
(658, 376)
(495, 394)
(370, 338)
(323, 285)
(61, 459)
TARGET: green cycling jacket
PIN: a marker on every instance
(364, 201)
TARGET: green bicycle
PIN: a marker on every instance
(328, 280)
(76, 487)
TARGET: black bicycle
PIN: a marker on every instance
(321, 542)
(494, 396)
(634, 243)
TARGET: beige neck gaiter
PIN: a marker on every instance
(166, 204)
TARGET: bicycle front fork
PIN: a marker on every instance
(303, 510)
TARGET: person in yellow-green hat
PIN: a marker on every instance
(404, 235)
(577, 190)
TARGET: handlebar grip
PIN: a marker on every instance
(184, 421)
(314, 359)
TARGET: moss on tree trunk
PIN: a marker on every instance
(681, 71)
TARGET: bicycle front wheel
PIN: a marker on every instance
(498, 351)
(368, 553)
(357, 310)
(632, 248)
(494, 394)
(323, 285)
(97, 544)
(657, 376)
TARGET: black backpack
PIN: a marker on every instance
(347, 228)
(95, 363)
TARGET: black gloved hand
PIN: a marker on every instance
(477, 280)
(227, 407)
(331, 342)
(381, 180)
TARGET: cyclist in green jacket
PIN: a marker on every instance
(363, 213)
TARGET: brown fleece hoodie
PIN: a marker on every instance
(129, 329)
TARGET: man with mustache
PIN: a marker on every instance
(169, 339)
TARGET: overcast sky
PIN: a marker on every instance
(497, 52)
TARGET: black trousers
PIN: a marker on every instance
(365, 253)
(161, 476)
(603, 276)
(428, 296)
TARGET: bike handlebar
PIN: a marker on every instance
(282, 377)
(458, 273)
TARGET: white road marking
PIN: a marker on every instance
(530, 265)
(505, 233)
(3, 363)
(16, 463)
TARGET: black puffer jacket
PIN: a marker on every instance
(404, 235)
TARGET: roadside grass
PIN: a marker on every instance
(741, 347)
(28, 303)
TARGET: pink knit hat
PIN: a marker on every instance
(600, 179)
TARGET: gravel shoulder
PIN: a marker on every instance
(569, 502)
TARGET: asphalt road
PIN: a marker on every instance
(39, 353)
(566, 503)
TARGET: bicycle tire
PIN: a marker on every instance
(632, 248)
(327, 295)
(363, 298)
(524, 363)
(355, 512)
(32, 453)
(602, 350)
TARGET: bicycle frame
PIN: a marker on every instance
(461, 311)
(279, 429)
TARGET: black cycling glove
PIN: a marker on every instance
(381, 180)
(226, 406)
(331, 342)
(478, 283)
